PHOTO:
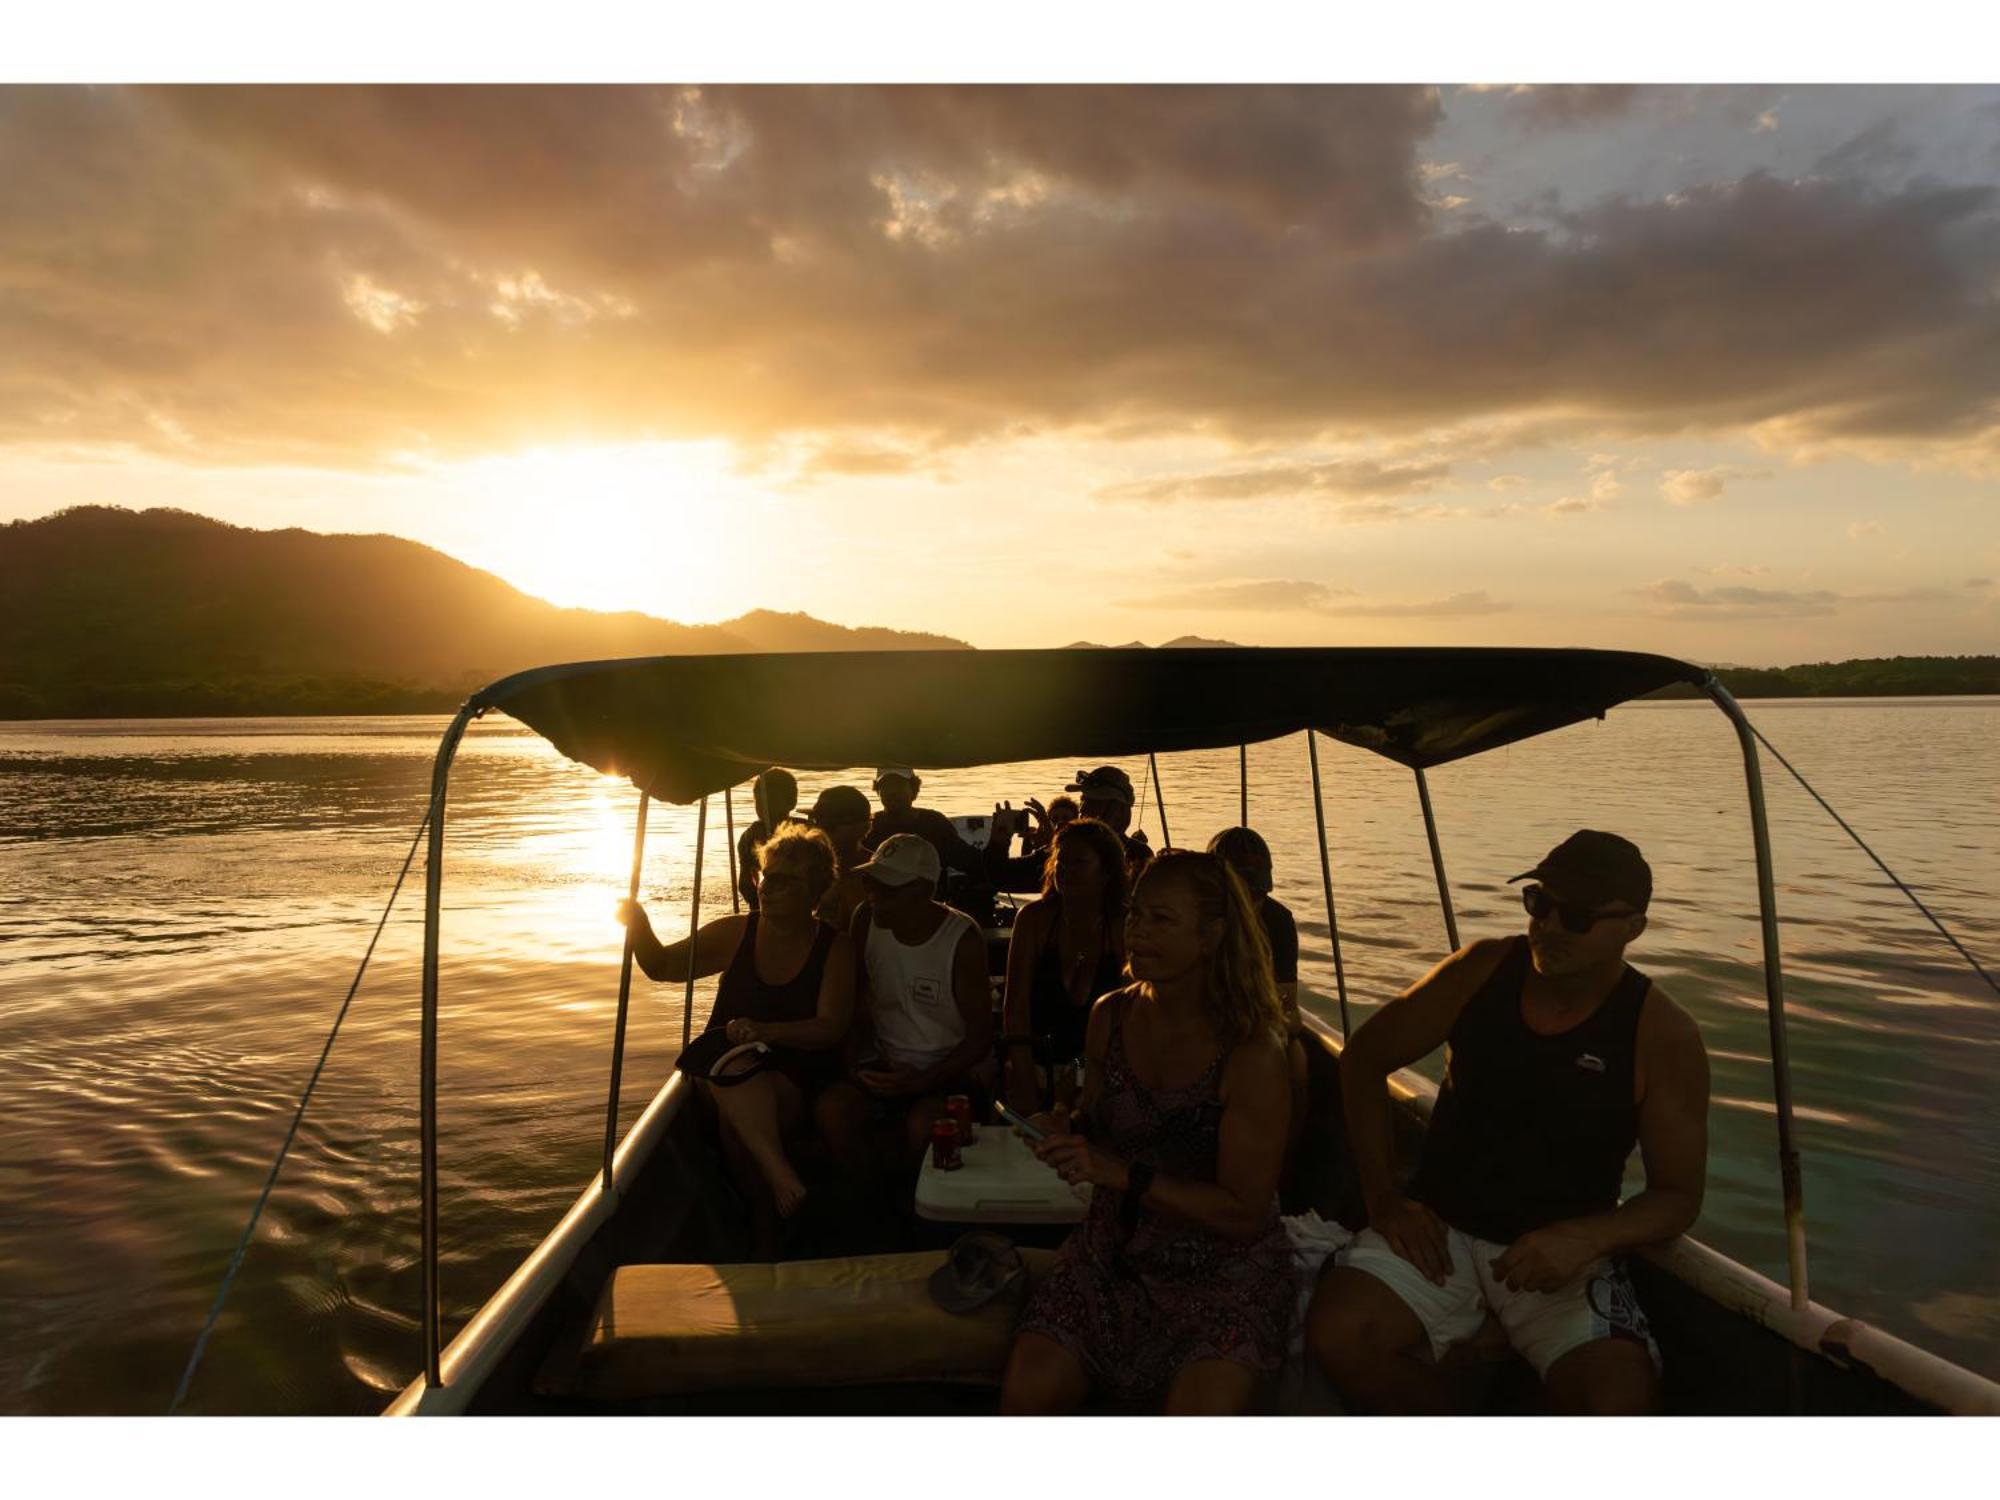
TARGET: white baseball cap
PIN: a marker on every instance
(902, 858)
(884, 772)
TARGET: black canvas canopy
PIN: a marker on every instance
(683, 726)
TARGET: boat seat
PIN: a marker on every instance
(668, 1330)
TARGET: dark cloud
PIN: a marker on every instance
(344, 275)
(1559, 106)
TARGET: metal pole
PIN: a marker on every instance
(729, 833)
(1326, 882)
(624, 996)
(427, 1115)
(1153, 766)
(1437, 860)
(1243, 785)
(694, 925)
(1774, 997)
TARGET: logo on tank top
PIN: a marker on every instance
(926, 990)
(1590, 1061)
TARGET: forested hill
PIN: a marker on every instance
(1871, 677)
(105, 611)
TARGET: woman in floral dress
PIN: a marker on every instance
(1176, 1288)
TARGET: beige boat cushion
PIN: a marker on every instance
(861, 1320)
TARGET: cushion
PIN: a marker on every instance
(663, 1330)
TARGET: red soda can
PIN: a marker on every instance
(944, 1145)
(959, 1107)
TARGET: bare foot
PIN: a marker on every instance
(788, 1192)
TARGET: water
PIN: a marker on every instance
(182, 904)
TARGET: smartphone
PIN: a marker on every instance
(1031, 1131)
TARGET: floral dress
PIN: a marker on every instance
(1134, 1308)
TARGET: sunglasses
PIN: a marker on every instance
(1574, 916)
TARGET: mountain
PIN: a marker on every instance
(1177, 643)
(106, 611)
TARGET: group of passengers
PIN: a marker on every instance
(1150, 1029)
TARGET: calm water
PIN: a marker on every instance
(182, 904)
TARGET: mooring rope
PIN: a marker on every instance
(270, 1181)
(1914, 900)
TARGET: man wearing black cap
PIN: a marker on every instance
(1105, 794)
(1561, 1056)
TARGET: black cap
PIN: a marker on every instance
(1105, 781)
(1596, 866)
(841, 804)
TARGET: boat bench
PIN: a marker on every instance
(670, 1330)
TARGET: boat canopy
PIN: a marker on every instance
(681, 727)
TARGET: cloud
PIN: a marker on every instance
(1702, 486)
(1269, 594)
(1340, 478)
(1474, 603)
(1299, 595)
(345, 275)
(1557, 106)
(1679, 600)
(1858, 531)
(1502, 483)
(863, 462)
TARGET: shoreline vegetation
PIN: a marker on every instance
(112, 613)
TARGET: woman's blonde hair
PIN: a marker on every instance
(812, 848)
(1241, 994)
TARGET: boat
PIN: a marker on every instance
(636, 1300)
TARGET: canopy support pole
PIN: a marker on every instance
(1243, 785)
(427, 1126)
(694, 924)
(1437, 860)
(1159, 796)
(624, 995)
(1326, 883)
(729, 833)
(1774, 997)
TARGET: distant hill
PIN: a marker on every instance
(105, 611)
(1868, 677)
(1177, 643)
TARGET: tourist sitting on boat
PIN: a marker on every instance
(775, 794)
(842, 813)
(1044, 821)
(1250, 857)
(897, 787)
(1177, 1286)
(1561, 1057)
(1066, 949)
(1106, 795)
(926, 1019)
(787, 982)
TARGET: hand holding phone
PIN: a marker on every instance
(1027, 1127)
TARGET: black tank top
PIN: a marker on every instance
(1053, 1016)
(742, 996)
(1530, 1129)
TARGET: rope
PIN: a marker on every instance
(1914, 901)
(270, 1181)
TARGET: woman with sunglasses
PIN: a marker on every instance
(787, 982)
(1563, 1056)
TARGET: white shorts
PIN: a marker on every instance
(1543, 1326)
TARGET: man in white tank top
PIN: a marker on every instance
(926, 1020)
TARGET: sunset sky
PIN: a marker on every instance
(1700, 369)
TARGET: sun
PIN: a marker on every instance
(645, 526)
